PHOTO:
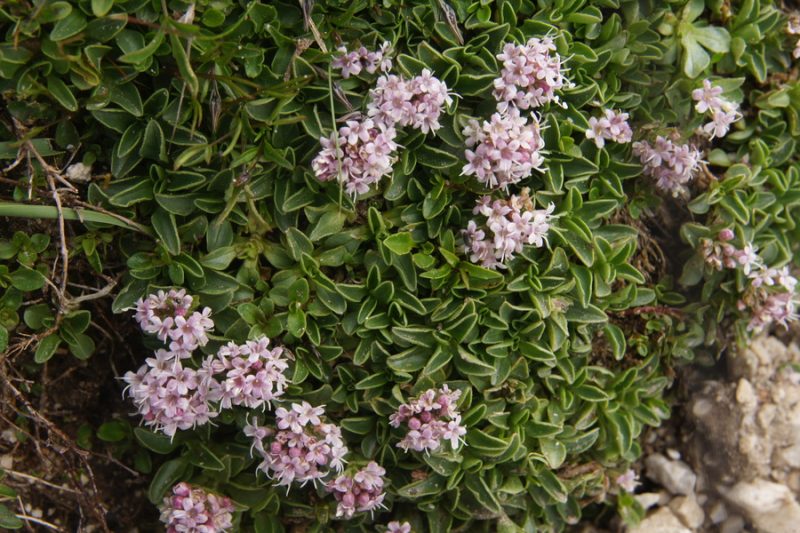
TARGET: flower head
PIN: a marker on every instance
(359, 492)
(303, 448)
(512, 224)
(351, 63)
(503, 150)
(530, 76)
(672, 165)
(192, 509)
(430, 419)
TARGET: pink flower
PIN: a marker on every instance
(723, 112)
(418, 102)
(530, 75)
(303, 448)
(165, 316)
(352, 63)
(628, 480)
(672, 165)
(707, 97)
(360, 492)
(613, 127)
(398, 527)
(192, 509)
(503, 150)
(359, 155)
(513, 223)
(437, 420)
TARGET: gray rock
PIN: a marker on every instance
(771, 507)
(661, 521)
(688, 511)
(675, 476)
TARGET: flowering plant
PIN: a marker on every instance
(408, 266)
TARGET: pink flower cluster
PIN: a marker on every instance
(530, 75)
(164, 315)
(612, 126)
(170, 396)
(505, 149)
(770, 298)
(360, 492)
(721, 253)
(352, 63)
(723, 112)
(671, 165)
(513, 224)
(250, 375)
(430, 419)
(770, 295)
(398, 527)
(360, 154)
(417, 102)
(192, 509)
(364, 150)
(303, 448)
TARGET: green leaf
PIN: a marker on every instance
(69, 26)
(156, 442)
(3, 339)
(81, 346)
(26, 279)
(695, 58)
(167, 230)
(153, 143)
(127, 96)
(143, 54)
(330, 223)
(101, 7)
(61, 93)
(46, 348)
(170, 473)
(9, 520)
(399, 243)
(713, 38)
(184, 65)
(113, 431)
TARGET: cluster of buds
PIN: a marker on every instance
(531, 74)
(359, 492)
(770, 298)
(250, 375)
(720, 253)
(430, 419)
(352, 63)
(417, 102)
(671, 165)
(723, 112)
(166, 315)
(358, 155)
(192, 509)
(303, 448)
(793, 28)
(612, 126)
(513, 223)
(503, 150)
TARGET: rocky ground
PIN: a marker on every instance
(732, 464)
